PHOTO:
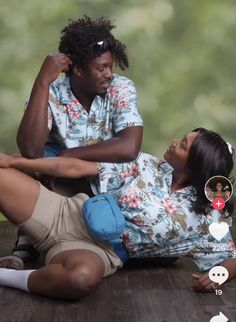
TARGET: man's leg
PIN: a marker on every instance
(18, 195)
(65, 187)
(70, 275)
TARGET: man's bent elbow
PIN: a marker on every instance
(130, 143)
(131, 154)
(29, 152)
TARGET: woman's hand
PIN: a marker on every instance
(5, 160)
(202, 283)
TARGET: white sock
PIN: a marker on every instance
(14, 278)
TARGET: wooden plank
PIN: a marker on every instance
(141, 292)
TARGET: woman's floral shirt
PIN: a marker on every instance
(160, 222)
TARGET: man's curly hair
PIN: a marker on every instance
(79, 36)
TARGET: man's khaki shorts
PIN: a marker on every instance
(57, 225)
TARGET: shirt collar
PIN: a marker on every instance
(168, 175)
(66, 95)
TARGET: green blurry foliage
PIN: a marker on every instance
(182, 60)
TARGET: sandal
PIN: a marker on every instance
(24, 250)
(11, 262)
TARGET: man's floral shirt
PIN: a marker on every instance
(71, 125)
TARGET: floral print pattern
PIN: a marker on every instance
(71, 125)
(160, 222)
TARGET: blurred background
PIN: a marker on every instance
(182, 60)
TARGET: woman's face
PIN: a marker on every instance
(219, 186)
(178, 152)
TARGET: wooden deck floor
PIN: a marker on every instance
(141, 292)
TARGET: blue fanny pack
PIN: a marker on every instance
(105, 221)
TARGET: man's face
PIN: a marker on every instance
(96, 79)
(178, 152)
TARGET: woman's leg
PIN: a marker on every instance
(70, 275)
(18, 195)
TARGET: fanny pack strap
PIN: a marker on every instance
(119, 249)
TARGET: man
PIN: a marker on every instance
(88, 112)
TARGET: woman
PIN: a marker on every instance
(166, 211)
(220, 193)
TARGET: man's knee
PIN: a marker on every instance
(81, 281)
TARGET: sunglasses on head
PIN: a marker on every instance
(97, 48)
(100, 46)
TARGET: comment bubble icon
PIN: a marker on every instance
(218, 274)
(219, 318)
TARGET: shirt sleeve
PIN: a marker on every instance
(52, 103)
(213, 253)
(126, 106)
(112, 176)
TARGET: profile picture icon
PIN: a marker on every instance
(218, 187)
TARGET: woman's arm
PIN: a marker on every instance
(56, 167)
(202, 283)
(230, 265)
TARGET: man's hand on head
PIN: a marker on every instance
(53, 65)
